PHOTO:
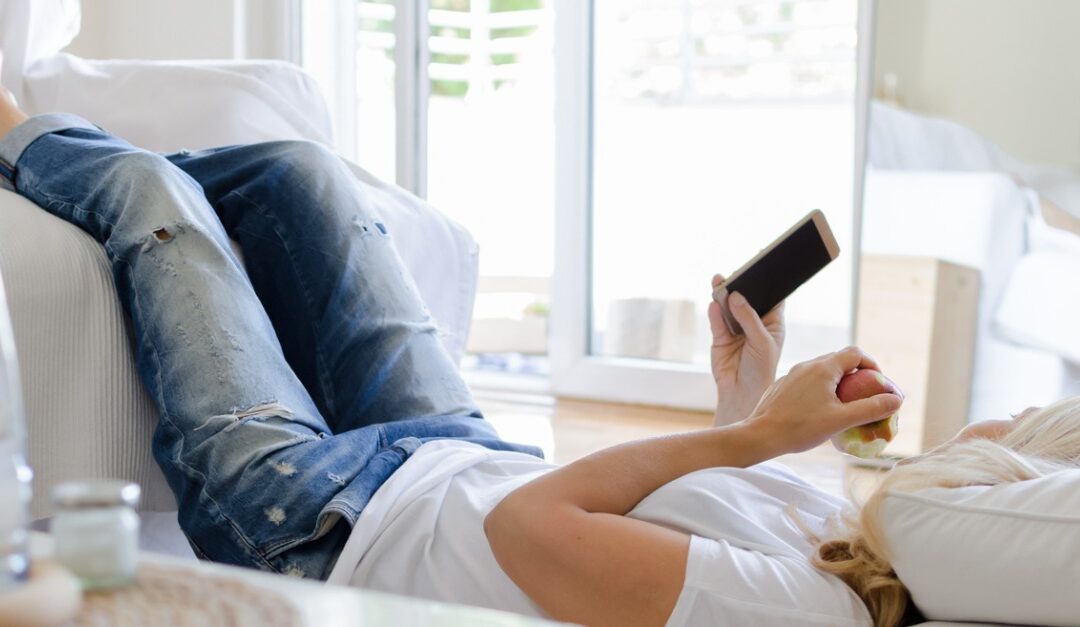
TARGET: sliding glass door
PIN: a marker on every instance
(609, 156)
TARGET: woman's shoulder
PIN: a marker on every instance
(730, 585)
(752, 508)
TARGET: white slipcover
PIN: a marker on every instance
(976, 219)
(937, 188)
(87, 412)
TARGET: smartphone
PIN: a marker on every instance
(780, 268)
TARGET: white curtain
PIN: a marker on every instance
(31, 30)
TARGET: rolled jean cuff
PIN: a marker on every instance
(16, 141)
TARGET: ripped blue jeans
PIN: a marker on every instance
(287, 393)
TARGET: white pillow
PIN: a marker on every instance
(1042, 297)
(1001, 554)
(1041, 303)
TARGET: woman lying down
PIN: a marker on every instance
(312, 423)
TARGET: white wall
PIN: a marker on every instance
(1008, 68)
(183, 29)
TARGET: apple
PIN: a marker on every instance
(869, 440)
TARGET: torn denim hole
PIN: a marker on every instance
(233, 342)
(263, 411)
(182, 332)
(292, 570)
(365, 230)
(162, 235)
(338, 479)
(285, 469)
(275, 515)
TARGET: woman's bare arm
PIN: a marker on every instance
(564, 538)
(565, 541)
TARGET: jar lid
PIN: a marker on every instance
(99, 493)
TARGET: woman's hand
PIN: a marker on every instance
(801, 410)
(743, 366)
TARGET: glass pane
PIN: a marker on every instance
(348, 47)
(491, 164)
(718, 124)
(376, 116)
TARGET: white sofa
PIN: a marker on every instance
(977, 219)
(87, 413)
(936, 188)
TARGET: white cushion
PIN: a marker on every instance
(904, 140)
(166, 106)
(975, 219)
(1042, 298)
(1002, 554)
(1041, 304)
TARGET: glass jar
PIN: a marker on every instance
(96, 531)
(15, 475)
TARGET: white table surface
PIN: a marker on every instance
(320, 604)
(323, 605)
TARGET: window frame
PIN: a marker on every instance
(574, 371)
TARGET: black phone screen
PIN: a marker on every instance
(787, 266)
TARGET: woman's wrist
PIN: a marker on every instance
(734, 403)
(744, 443)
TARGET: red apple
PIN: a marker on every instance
(871, 439)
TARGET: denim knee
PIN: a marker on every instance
(300, 162)
(326, 193)
(148, 200)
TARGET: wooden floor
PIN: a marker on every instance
(570, 429)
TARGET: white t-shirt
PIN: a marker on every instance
(422, 535)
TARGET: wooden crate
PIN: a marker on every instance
(917, 317)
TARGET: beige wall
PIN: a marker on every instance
(182, 29)
(1008, 68)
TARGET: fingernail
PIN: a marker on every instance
(738, 300)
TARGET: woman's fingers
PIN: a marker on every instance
(775, 314)
(756, 334)
(720, 332)
(867, 410)
(852, 358)
(716, 324)
(802, 408)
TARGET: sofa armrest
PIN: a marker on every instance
(87, 414)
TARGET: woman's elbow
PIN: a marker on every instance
(502, 526)
(518, 529)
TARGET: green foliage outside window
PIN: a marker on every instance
(451, 88)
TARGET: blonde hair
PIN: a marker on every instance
(1044, 441)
